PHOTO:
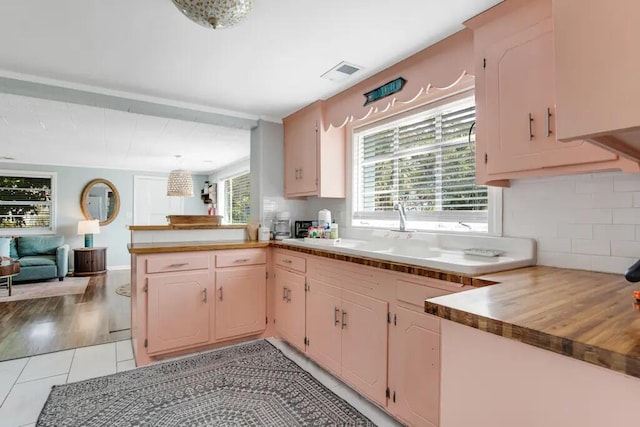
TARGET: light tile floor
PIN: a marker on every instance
(25, 383)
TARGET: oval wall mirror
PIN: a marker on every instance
(100, 200)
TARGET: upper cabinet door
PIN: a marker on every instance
(517, 129)
(518, 77)
(300, 146)
(521, 106)
(314, 157)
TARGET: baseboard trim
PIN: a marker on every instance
(119, 267)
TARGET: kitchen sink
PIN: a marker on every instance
(442, 252)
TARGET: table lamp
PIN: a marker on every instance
(89, 228)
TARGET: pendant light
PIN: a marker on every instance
(180, 183)
(215, 14)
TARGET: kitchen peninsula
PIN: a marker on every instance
(572, 317)
(195, 295)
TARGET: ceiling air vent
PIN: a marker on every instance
(342, 71)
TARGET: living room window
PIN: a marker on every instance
(27, 202)
(426, 161)
(237, 191)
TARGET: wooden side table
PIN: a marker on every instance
(8, 268)
(89, 261)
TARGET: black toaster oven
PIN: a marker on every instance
(301, 228)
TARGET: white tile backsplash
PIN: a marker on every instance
(591, 247)
(626, 182)
(592, 216)
(554, 244)
(589, 222)
(603, 184)
(577, 231)
(625, 248)
(613, 232)
(626, 216)
(612, 200)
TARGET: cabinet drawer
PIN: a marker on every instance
(291, 261)
(161, 264)
(240, 257)
(415, 294)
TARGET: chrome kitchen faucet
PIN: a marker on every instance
(403, 215)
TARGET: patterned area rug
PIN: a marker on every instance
(51, 288)
(251, 384)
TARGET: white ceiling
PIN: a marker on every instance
(267, 67)
(39, 131)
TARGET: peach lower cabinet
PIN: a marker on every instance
(185, 300)
(363, 324)
(507, 383)
(367, 327)
(541, 347)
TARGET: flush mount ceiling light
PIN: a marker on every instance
(215, 14)
(180, 183)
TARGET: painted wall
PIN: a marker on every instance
(267, 175)
(115, 236)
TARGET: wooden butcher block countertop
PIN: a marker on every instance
(159, 248)
(585, 315)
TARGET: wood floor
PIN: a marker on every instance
(44, 325)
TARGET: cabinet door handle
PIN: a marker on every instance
(297, 173)
(336, 312)
(284, 294)
(241, 260)
(344, 319)
(181, 264)
(549, 132)
(530, 127)
(204, 295)
(220, 291)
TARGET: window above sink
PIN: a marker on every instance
(425, 159)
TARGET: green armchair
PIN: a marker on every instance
(40, 257)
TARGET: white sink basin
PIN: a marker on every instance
(419, 250)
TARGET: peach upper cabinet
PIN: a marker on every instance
(314, 158)
(597, 63)
(516, 99)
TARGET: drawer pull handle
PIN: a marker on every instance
(242, 260)
(284, 294)
(336, 312)
(204, 295)
(220, 291)
(181, 264)
(286, 261)
(344, 319)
